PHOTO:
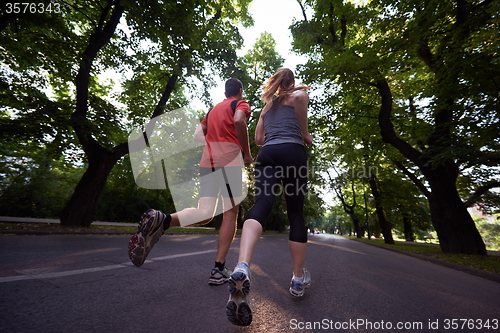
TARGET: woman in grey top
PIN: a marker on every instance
(281, 168)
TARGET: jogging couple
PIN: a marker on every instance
(282, 131)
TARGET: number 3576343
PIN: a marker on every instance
(32, 8)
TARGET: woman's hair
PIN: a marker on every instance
(281, 84)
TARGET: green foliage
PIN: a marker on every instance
(490, 231)
(259, 64)
(123, 200)
(32, 183)
(435, 57)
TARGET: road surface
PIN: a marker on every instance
(69, 283)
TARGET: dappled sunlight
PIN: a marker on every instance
(92, 252)
(338, 247)
(256, 270)
(183, 238)
(271, 312)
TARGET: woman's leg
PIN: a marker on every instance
(265, 181)
(298, 252)
(298, 233)
(252, 229)
(295, 185)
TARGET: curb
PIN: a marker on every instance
(45, 233)
(88, 233)
(476, 272)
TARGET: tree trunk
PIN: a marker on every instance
(82, 207)
(456, 230)
(384, 224)
(349, 209)
(455, 227)
(408, 230)
(357, 225)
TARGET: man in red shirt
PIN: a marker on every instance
(224, 132)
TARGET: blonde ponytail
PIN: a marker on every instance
(281, 84)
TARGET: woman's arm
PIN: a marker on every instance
(300, 102)
(260, 133)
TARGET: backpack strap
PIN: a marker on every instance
(233, 107)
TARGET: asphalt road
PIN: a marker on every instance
(86, 284)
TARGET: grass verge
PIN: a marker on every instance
(490, 263)
(55, 228)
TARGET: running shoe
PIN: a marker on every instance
(297, 289)
(150, 230)
(219, 277)
(238, 308)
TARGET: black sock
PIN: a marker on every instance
(220, 265)
(166, 222)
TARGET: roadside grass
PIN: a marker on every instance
(57, 228)
(490, 263)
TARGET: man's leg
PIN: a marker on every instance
(195, 216)
(227, 230)
(220, 274)
(154, 223)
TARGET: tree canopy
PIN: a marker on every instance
(415, 81)
(52, 64)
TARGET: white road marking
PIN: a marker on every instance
(33, 275)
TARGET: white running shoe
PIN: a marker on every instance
(238, 308)
(297, 289)
(219, 277)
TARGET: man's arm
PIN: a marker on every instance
(240, 125)
(199, 133)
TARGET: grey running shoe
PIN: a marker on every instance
(238, 308)
(297, 289)
(219, 277)
(150, 230)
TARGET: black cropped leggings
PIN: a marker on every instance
(281, 169)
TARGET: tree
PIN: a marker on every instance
(349, 206)
(259, 64)
(433, 70)
(160, 42)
